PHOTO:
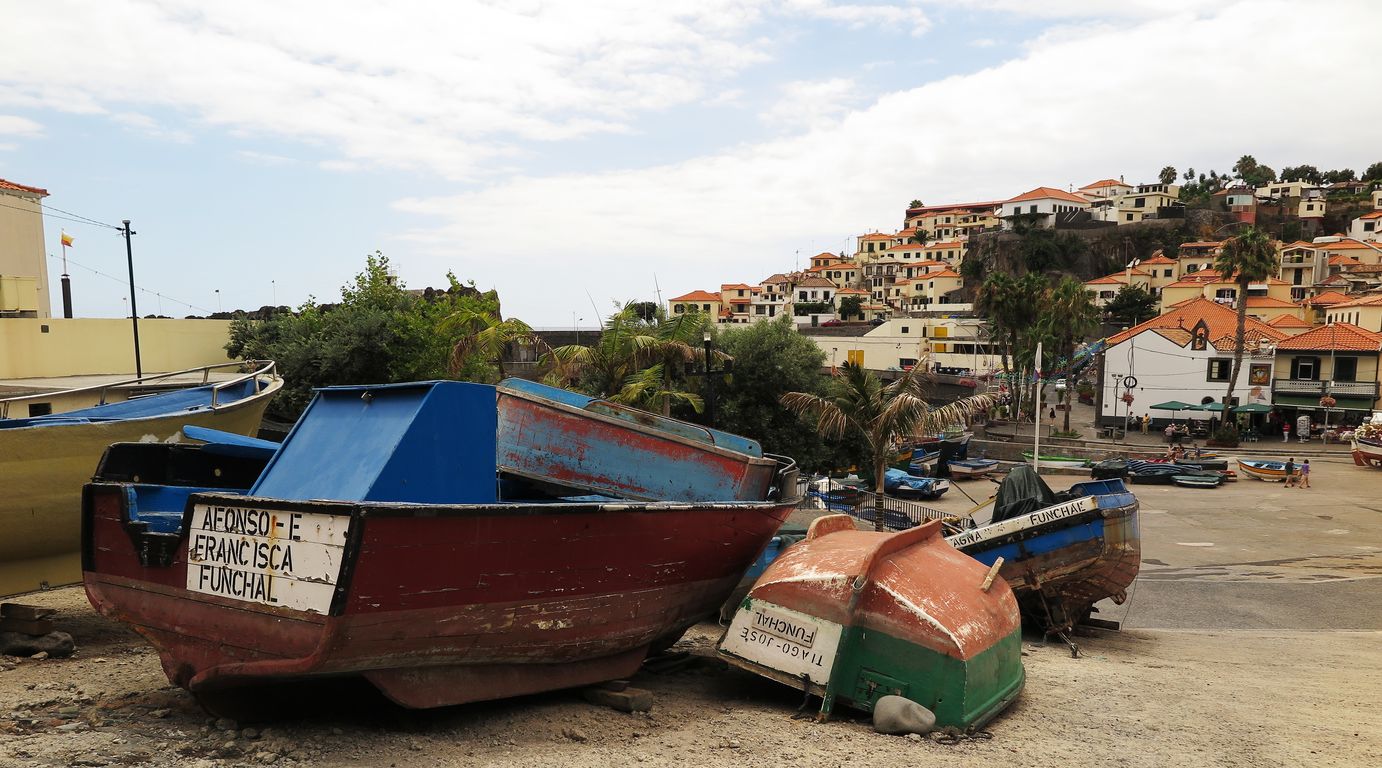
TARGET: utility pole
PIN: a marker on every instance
(127, 233)
(709, 385)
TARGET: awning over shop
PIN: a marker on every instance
(1312, 402)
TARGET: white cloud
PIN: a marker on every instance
(265, 158)
(13, 125)
(1053, 117)
(806, 103)
(904, 17)
(983, 42)
(150, 127)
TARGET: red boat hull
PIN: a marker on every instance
(440, 605)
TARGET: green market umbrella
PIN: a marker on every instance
(1174, 405)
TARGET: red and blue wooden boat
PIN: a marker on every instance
(382, 541)
(852, 616)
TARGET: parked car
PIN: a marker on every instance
(829, 323)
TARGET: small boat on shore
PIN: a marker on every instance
(851, 616)
(1197, 481)
(45, 460)
(1367, 452)
(384, 541)
(901, 485)
(1262, 469)
(1051, 461)
(971, 468)
(1061, 552)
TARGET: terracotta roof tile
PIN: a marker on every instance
(815, 282)
(1369, 300)
(1373, 215)
(1100, 184)
(699, 296)
(1264, 302)
(1157, 259)
(1288, 321)
(11, 186)
(1326, 299)
(1221, 320)
(1336, 336)
(1339, 260)
(942, 273)
(875, 236)
(1043, 193)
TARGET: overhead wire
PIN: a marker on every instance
(123, 281)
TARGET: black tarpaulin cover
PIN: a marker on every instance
(1022, 491)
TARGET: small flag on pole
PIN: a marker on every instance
(66, 240)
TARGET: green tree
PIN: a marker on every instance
(1044, 249)
(1131, 305)
(1251, 173)
(377, 334)
(1342, 174)
(919, 237)
(883, 416)
(1247, 258)
(1011, 307)
(1373, 173)
(770, 360)
(1167, 175)
(914, 204)
(1067, 316)
(483, 332)
(1306, 173)
(851, 306)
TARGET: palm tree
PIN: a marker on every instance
(1011, 307)
(1067, 316)
(658, 385)
(1249, 257)
(654, 388)
(486, 334)
(882, 415)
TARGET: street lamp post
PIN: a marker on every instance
(709, 383)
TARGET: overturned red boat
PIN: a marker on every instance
(381, 540)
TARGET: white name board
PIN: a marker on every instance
(785, 640)
(287, 559)
(1022, 522)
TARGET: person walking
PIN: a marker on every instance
(1290, 472)
(1146, 423)
(1305, 474)
(1285, 431)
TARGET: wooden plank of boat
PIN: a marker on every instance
(45, 460)
(856, 615)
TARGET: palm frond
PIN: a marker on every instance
(831, 421)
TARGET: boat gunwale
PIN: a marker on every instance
(703, 445)
(268, 389)
(1031, 531)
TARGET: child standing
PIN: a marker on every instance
(1290, 472)
(1305, 474)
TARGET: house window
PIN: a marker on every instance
(1219, 370)
(802, 294)
(904, 329)
(706, 307)
(679, 308)
(1346, 369)
(1305, 368)
(1129, 216)
(1165, 273)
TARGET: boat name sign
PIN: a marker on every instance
(784, 640)
(286, 559)
(1030, 520)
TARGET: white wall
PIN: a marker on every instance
(1166, 372)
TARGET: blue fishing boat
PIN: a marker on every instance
(1063, 552)
(968, 468)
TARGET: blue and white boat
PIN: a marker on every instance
(968, 468)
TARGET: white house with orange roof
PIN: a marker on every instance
(703, 302)
(858, 293)
(962, 214)
(774, 297)
(844, 274)
(1107, 189)
(1184, 354)
(1043, 206)
(1367, 227)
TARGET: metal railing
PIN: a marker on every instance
(1320, 388)
(259, 368)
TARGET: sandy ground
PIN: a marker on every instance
(1254, 638)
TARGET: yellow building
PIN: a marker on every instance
(1198, 256)
(1339, 360)
(1101, 290)
(56, 347)
(23, 267)
(1363, 311)
(949, 251)
(1162, 269)
(696, 301)
(1211, 286)
(843, 274)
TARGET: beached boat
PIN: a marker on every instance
(1367, 453)
(901, 485)
(382, 541)
(1061, 552)
(1197, 481)
(1057, 462)
(970, 468)
(44, 460)
(1268, 471)
(852, 616)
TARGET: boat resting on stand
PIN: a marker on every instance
(851, 616)
(412, 561)
(1262, 469)
(1062, 553)
(1367, 453)
(45, 460)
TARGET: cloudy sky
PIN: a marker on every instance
(574, 154)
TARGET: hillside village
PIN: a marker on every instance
(1314, 326)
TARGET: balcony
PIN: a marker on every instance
(1318, 388)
